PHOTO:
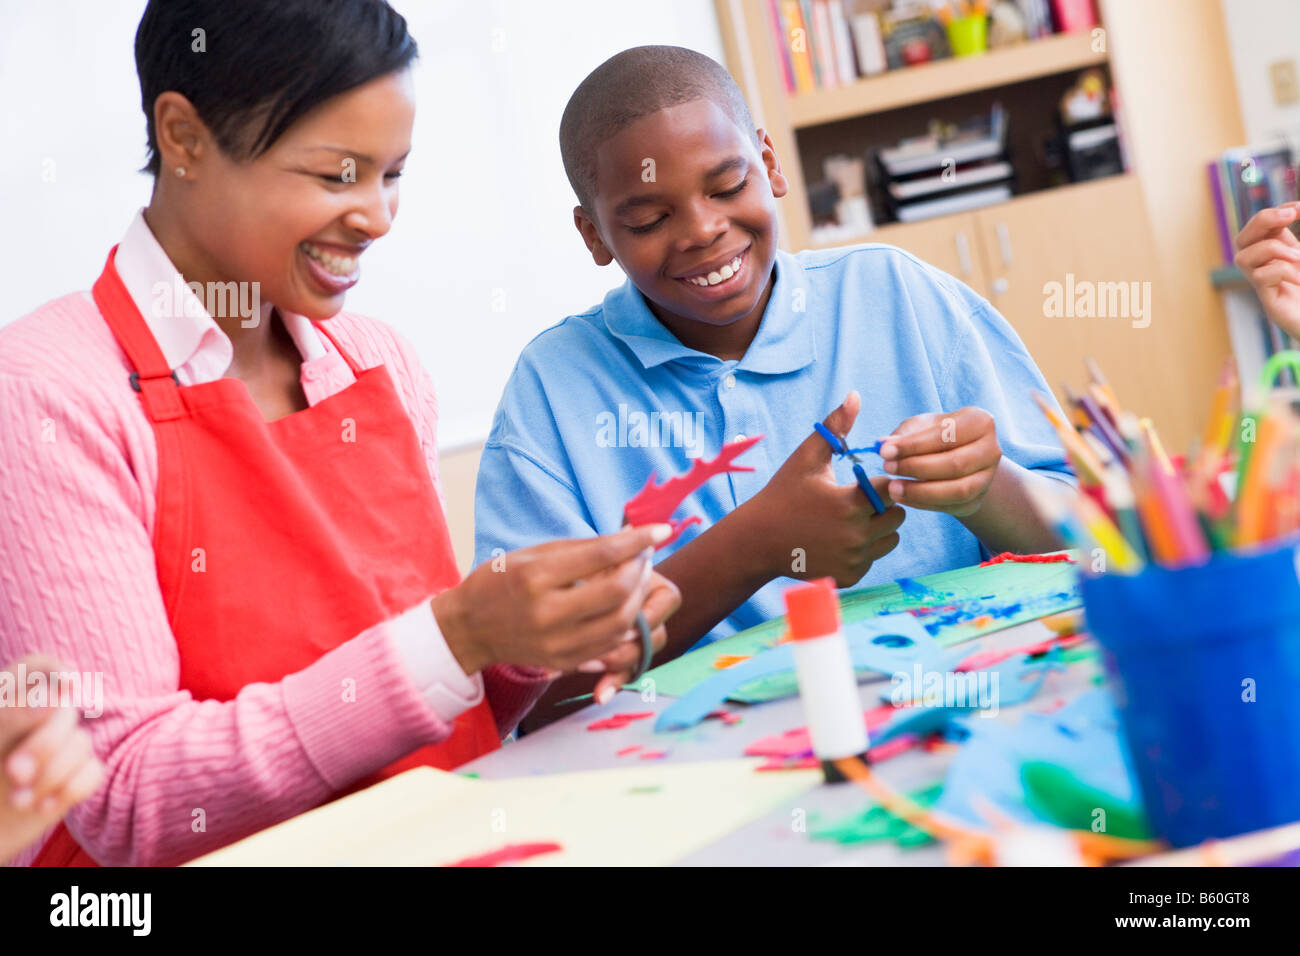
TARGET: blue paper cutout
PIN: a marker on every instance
(886, 644)
(1083, 737)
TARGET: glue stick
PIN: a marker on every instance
(827, 685)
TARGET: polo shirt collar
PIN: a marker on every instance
(784, 343)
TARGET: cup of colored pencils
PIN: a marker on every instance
(1189, 584)
(1240, 488)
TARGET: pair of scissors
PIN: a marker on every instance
(841, 447)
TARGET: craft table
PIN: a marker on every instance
(567, 745)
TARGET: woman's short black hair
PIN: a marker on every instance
(253, 67)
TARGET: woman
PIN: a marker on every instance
(222, 491)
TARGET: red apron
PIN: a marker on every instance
(277, 541)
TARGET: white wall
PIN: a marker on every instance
(486, 209)
(1261, 32)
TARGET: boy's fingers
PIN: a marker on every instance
(815, 450)
(927, 441)
(840, 421)
(953, 462)
(877, 549)
(889, 521)
(941, 494)
(917, 423)
(1264, 223)
(859, 506)
(584, 558)
(945, 431)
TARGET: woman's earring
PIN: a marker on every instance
(180, 171)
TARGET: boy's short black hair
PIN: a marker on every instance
(259, 65)
(633, 84)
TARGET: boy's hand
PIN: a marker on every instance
(812, 527)
(47, 766)
(952, 455)
(1269, 255)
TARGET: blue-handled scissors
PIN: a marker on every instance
(840, 447)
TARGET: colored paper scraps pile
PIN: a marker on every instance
(877, 823)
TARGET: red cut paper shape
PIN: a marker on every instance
(1006, 556)
(655, 504)
(510, 853)
(618, 720)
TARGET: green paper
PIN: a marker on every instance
(877, 823)
(1032, 590)
(1057, 795)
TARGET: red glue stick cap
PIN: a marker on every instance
(812, 609)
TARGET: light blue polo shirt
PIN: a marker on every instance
(603, 399)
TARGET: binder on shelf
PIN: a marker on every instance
(928, 176)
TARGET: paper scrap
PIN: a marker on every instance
(975, 600)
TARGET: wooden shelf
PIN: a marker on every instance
(885, 231)
(945, 78)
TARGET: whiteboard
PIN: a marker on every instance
(483, 254)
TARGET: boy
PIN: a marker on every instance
(717, 335)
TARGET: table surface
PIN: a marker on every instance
(567, 745)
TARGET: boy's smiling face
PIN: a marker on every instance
(699, 239)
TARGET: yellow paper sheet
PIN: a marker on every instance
(427, 817)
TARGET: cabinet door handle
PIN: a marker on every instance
(1000, 285)
(1004, 243)
(963, 254)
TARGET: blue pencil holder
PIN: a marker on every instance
(1206, 667)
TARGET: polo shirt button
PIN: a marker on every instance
(309, 373)
(739, 437)
(730, 381)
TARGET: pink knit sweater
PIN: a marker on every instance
(78, 473)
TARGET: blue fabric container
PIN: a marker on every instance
(1206, 666)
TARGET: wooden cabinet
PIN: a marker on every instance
(1074, 270)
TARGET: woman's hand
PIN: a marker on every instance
(1269, 255)
(47, 765)
(557, 605)
(619, 665)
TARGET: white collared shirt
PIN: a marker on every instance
(198, 351)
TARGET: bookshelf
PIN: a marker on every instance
(1170, 63)
(1064, 53)
(896, 103)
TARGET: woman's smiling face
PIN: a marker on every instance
(297, 218)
